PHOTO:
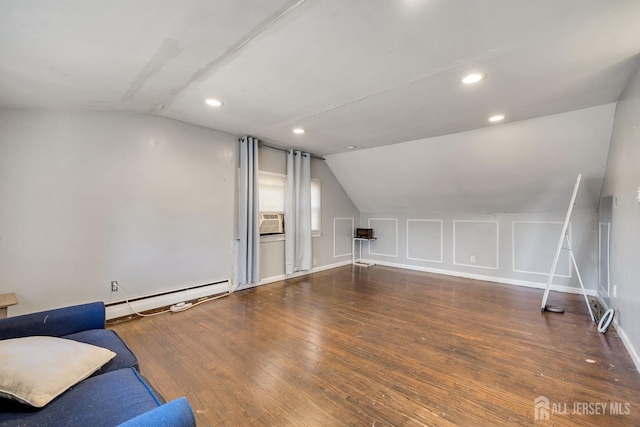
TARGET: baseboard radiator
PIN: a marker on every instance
(149, 302)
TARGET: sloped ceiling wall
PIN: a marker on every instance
(526, 166)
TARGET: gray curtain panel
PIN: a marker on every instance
(248, 213)
(298, 247)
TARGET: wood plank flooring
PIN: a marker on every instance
(387, 347)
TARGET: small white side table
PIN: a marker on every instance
(353, 251)
(7, 300)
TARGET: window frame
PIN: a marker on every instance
(280, 236)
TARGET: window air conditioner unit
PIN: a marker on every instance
(271, 223)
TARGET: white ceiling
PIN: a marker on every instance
(359, 72)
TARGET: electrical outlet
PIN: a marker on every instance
(473, 258)
(114, 286)
(315, 262)
(615, 291)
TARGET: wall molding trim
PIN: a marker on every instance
(502, 280)
(540, 273)
(407, 227)
(478, 221)
(395, 221)
(334, 237)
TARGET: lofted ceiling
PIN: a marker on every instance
(367, 73)
(529, 166)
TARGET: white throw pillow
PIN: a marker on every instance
(35, 370)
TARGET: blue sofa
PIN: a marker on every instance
(115, 395)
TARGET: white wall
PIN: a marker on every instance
(622, 181)
(335, 204)
(86, 198)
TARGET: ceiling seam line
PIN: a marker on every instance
(485, 56)
(214, 65)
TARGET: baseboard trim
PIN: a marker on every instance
(623, 337)
(280, 277)
(503, 280)
(151, 302)
(627, 343)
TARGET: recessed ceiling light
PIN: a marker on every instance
(350, 147)
(213, 102)
(472, 78)
(299, 131)
(496, 118)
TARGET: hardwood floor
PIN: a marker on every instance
(387, 347)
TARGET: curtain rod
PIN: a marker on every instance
(261, 144)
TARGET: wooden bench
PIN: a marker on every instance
(7, 300)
